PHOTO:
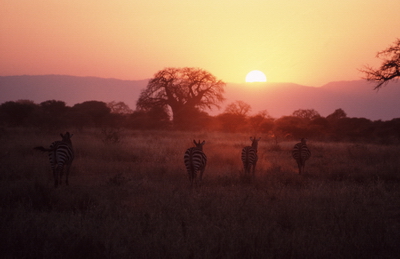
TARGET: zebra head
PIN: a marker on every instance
(199, 145)
(254, 142)
(67, 137)
(303, 141)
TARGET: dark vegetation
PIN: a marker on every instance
(130, 197)
(113, 117)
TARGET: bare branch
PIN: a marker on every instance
(390, 68)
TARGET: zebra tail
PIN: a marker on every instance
(43, 149)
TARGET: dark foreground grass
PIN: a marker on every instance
(129, 200)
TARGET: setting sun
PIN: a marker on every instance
(256, 76)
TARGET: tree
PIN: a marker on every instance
(119, 108)
(291, 125)
(235, 116)
(154, 118)
(186, 91)
(238, 108)
(306, 114)
(337, 114)
(261, 122)
(53, 113)
(90, 112)
(389, 69)
(354, 129)
(19, 113)
(232, 122)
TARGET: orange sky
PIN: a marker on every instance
(310, 42)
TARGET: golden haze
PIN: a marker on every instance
(306, 42)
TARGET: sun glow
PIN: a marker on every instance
(256, 76)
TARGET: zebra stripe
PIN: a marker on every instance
(250, 157)
(301, 153)
(195, 161)
(61, 154)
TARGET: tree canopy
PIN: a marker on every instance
(306, 113)
(238, 108)
(389, 69)
(186, 91)
(56, 115)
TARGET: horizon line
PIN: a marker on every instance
(237, 83)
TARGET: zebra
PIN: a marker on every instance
(250, 157)
(301, 153)
(195, 161)
(60, 153)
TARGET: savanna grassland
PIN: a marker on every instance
(129, 197)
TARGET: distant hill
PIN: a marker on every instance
(356, 98)
(70, 89)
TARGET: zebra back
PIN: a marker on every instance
(300, 151)
(60, 153)
(195, 160)
(249, 154)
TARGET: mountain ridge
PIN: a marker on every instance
(357, 98)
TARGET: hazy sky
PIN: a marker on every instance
(310, 42)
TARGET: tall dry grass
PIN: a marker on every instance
(132, 199)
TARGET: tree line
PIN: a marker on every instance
(56, 115)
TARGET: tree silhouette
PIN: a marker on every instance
(186, 91)
(337, 114)
(306, 113)
(119, 107)
(90, 112)
(238, 108)
(291, 125)
(53, 114)
(17, 113)
(389, 69)
(261, 122)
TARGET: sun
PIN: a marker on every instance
(256, 76)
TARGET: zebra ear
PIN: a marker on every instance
(259, 139)
(194, 141)
(202, 143)
(251, 138)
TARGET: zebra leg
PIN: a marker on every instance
(195, 180)
(254, 168)
(191, 178)
(247, 168)
(201, 175)
(55, 175)
(67, 174)
(60, 169)
(299, 165)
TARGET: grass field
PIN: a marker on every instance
(132, 199)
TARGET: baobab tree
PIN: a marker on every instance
(186, 91)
